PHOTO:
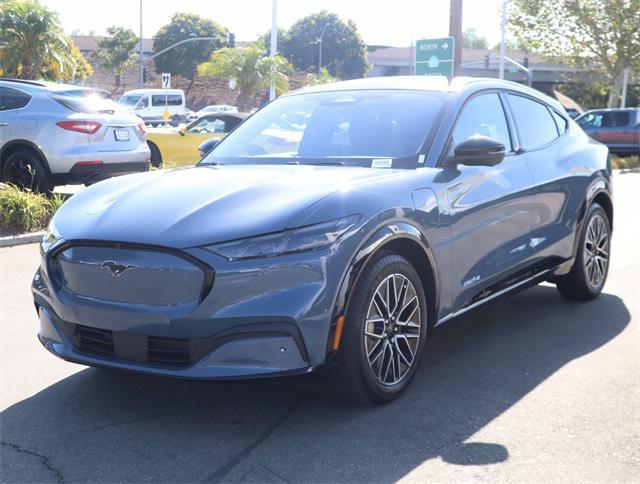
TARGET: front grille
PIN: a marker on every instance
(168, 351)
(95, 340)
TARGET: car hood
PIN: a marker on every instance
(202, 205)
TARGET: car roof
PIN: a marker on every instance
(464, 85)
(609, 110)
(44, 85)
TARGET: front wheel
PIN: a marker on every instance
(591, 266)
(384, 333)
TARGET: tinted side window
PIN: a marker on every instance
(561, 123)
(615, 119)
(590, 120)
(166, 100)
(537, 127)
(174, 100)
(12, 99)
(483, 115)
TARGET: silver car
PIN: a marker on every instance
(55, 134)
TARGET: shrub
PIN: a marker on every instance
(25, 211)
(625, 162)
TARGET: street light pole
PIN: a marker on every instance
(319, 40)
(141, 59)
(274, 44)
(503, 31)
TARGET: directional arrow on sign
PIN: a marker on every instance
(445, 46)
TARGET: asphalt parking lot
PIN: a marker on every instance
(530, 388)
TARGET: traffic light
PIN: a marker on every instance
(145, 75)
(231, 40)
(486, 61)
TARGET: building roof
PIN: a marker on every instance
(88, 43)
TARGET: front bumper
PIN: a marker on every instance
(260, 317)
(233, 356)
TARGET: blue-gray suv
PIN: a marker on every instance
(333, 229)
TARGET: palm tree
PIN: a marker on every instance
(251, 68)
(30, 37)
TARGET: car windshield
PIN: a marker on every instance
(360, 127)
(130, 100)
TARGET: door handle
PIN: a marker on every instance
(3, 124)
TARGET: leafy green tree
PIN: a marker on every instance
(602, 35)
(251, 69)
(184, 59)
(343, 50)
(472, 40)
(116, 53)
(32, 42)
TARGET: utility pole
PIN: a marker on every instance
(274, 44)
(503, 31)
(455, 31)
(141, 59)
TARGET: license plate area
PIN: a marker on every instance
(121, 134)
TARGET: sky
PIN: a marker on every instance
(388, 22)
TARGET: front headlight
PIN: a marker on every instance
(286, 242)
(50, 237)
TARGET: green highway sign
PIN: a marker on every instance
(434, 57)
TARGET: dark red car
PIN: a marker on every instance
(619, 129)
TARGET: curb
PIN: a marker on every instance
(21, 239)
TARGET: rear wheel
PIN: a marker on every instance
(591, 266)
(384, 333)
(156, 157)
(25, 169)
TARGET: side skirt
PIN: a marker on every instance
(527, 280)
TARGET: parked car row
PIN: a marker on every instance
(53, 134)
(57, 134)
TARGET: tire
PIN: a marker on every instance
(590, 268)
(25, 169)
(366, 372)
(156, 157)
(175, 120)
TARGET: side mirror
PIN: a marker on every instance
(478, 150)
(182, 130)
(208, 145)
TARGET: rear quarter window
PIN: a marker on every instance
(12, 99)
(535, 122)
(561, 123)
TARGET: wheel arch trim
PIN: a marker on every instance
(378, 240)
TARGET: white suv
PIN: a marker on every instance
(151, 104)
(55, 134)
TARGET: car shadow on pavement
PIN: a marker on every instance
(100, 425)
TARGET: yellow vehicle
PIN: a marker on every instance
(179, 146)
